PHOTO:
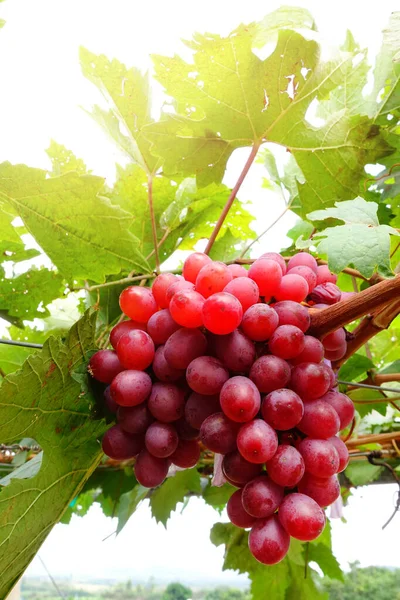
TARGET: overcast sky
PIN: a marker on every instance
(42, 91)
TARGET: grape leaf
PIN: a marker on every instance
(361, 472)
(63, 160)
(363, 399)
(128, 503)
(217, 497)
(361, 242)
(165, 498)
(285, 17)
(227, 247)
(355, 367)
(25, 471)
(67, 216)
(44, 402)
(12, 357)
(322, 554)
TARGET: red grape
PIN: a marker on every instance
(163, 370)
(292, 287)
(199, 407)
(184, 346)
(238, 469)
(161, 326)
(161, 439)
(301, 517)
(287, 341)
(326, 293)
(151, 471)
(303, 259)
(334, 340)
(283, 409)
(267, 274)
(259, 322)
(286, 467)
(240, 399)
(237, 271)
(119, 445)
(292, 313)
(110, 404)
(338, 353)
(320, 457)
(178, 286)
(320, 420)
(307, 274)
(138, 303)
(206, 375)
(342, 451)
(324, 275)
(193, 264)
(166, 402)
(186, 455)
(236, 513)
(342, 405)
(104, 366)
(130, 388)
(257, 441)
(245, 290)
(323, 490)
(212, 278)
(160, 286)
(186, 431)
(134, 419)
(270, 373)
(310, 380)
(135, 350)
(313, 351)
(222, 313)
(261, 497)
(218, 433)
(268, 541)
(277, 258)
(124, 327)
(186, 308)
(236, 351)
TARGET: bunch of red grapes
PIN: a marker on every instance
(220, 359)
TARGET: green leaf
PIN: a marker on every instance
(67, 216)
(128, 504)
(361, 242)
(394, 367)
(362, 472)
(165, 498)
(320, 551)
(63, 160)
(355, 368)
(44, 402)
(363, 394)
(25, 471)
(285, 17)
(12, 357)
(217, 497)
(226, 247)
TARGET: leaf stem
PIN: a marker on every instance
(266, 230)
(232, 197)
(160, 243)
(153, 219)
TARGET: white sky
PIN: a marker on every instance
(42, 88)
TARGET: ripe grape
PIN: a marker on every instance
(163, 370)
(338, 353)
(268, 541)
(320, 457)
(184, 346)
(240, 399)
(257, 441)
(193, 264)
(186, 431)
(186, 455)
(324, 275)
(334, 340)
(161, 326)
(135, 350)
(277, 258)
(218, 433)
(151, 471)
(308, 274)
(287, 341)
(138, 303)
(135, 419)
(166, 402)
(267, 274)
(119, 445)
(342, 451)
(326, 293)
(245, 290)
(212, 278)
(313, 351)
(178, 286)
(198, 407)
(301, 517)
(283, 409)
(303, 259)
(310, 380)
(236, 513)
(259, 322)
(286, 467)
(236, 351)
(161, 439)
(342, 405)
(320, 420)
(160, 287)
(124, 327)
(323, 490)
(105, 365)
(238, 271)
(238, 469)
(292, 287)
(110, 404)
(292, 313)
(206, 375)
(186, 308)
(222, 313)
(261, 497)
(270, 373)
(130, 388)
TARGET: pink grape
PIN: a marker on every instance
(342, 451)
(104, 365)
(303, 259)
(259, 322)
(222, 313)
(334, 340)
(186, 308)
(320, 457)
(124, 327)
(138, 303)
(283, 409)
(338, 353)
(236, 513)
(307, 274)
(277, 258)
(130, 388)
(179, 285)
(186, 455)
(212, 278)
(193, 264)
(286, 467)
(245, 290)
(323, 490)
(324, 275)
(160, 287)
(186, 431)
(261, 497)
(166, 402)
(236, 351)
(135, 350)
(310, 381)
(237, 271)
(270, 373)
(151, 471)
(240, 399)
(119, 445)
(267, 274)
(287, 341)
(198, 407)
(161, 439)
(257, 442)
(206, 375)
(292, 287)
(292, 313)
(218, 433)
(163, 370)
(161, 326)
(327, 293)
(238, 469)
(313, 351)
(135, 419)
(110, 404)
(268, 541)
(184, 346)
(320, 420)
(342, 405)
(301, 517)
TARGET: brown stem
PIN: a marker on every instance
(378, 379)
(376, 438)
(153, 220)
(160, 243)
(232, 197)
(326, 320)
